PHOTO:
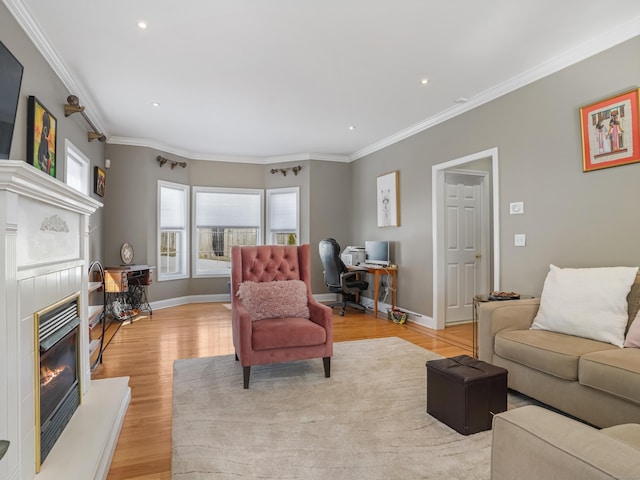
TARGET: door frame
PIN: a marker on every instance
(438, 213)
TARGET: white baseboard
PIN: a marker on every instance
(414, 317)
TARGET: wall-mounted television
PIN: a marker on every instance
(10, 82)
(377, 252)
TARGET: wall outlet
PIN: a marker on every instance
(519, 239)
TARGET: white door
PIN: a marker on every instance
(465, 268)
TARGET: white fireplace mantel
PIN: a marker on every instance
(44, 257)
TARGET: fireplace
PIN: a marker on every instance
(44, 268)
(58, 391)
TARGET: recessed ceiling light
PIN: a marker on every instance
(155, 104)
(424, 81)
(352, 127)
(142, 24)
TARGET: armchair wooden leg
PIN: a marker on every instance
(246, 372)
(327, 366)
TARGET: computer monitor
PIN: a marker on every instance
(376, 252)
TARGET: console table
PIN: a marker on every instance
(126, 287)
(392, 271)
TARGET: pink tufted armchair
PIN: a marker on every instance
(282, 339)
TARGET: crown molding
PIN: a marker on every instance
(144, 142)
(299, 157)
(597, 44)
(25, 19)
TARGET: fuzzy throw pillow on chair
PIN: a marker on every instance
(279, 299)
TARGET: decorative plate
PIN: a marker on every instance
(126, 253)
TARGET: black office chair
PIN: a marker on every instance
(338, 278)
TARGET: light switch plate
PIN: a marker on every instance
(516, 208)
(519, 239)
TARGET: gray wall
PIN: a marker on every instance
(331, 212)
(40, 80)
(131, 205)
(571, 219)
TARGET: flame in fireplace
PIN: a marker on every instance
(48, 375)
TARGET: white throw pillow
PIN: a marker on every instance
(586, 302)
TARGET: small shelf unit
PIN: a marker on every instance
(96, 317)
(102, 326)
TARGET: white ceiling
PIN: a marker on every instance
(267, 80)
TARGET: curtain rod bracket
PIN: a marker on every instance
(161, 161)
(73, 106)
(284, 171)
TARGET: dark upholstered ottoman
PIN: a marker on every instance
(465, 393)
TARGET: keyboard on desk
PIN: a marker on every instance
(371, 265)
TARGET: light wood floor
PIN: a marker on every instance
(145, 351)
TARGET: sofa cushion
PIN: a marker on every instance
(286, 332)
(633, 299)
(628, 433)
(550, 352)
(586, 302)
(616, 372)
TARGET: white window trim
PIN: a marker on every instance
(271, 191)
(185, 274)
(71, 150)
(194, 235)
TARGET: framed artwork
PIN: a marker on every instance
(610, 135)
(99, 181)
(387, 200)
(42, 132)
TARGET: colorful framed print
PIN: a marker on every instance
(387, 200)
(42, 132)
(99, 181)
(610, 134)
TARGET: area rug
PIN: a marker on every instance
(368, 421)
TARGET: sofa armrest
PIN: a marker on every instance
(494, 317)
(322, 315)
(533, 443)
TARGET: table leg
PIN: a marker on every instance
(393, 289)
(474, 322)
(376, 292)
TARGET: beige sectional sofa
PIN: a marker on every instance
(532, 443)
(591, 380)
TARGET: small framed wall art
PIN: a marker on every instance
(99, 181)
(42, 130)
(610, 134)
(387, 200)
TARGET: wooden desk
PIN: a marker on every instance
(118, 279)
(391, 271)
(125, 286)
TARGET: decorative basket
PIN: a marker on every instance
(396, 315)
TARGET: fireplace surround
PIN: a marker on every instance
(44, 258)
